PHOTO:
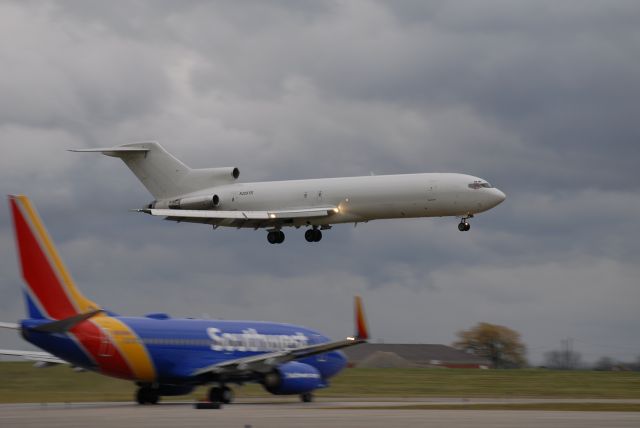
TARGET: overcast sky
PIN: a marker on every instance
(541, 98)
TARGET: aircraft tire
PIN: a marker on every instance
(280, 237)
(317, 235)
(467, 226)
(307, 397)
(308, 235)
(227, 395)
(216, 394)
(146, 395)
(462, 227)
(271, 237)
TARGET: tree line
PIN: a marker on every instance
(504, 348)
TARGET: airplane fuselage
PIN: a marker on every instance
(169, 351)
(357, 199)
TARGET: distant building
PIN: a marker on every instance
(389, 355)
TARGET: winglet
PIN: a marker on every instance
(362, 331)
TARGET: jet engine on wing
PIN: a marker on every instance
(293, 378)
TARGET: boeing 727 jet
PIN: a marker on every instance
(163, 356)
(214, 196)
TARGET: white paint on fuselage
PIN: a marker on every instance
(362, 198)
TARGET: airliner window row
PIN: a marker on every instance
(185, 342)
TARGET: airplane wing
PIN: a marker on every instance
(173, 214)
(263, 363)
(40, 357)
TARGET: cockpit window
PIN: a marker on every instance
(479, 185)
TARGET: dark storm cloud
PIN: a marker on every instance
(538, 97)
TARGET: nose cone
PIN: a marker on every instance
(498, 197)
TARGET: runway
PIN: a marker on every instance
(272, 414)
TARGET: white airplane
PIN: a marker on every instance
(214, 196)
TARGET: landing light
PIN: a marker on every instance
(351, 338)
(336, 210)
(272, 216)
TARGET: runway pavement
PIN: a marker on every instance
(268, 414)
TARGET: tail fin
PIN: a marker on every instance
(49, 289)
(157, 169)
(362, 330)
(162, 174)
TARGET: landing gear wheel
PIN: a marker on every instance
(463, 226)
(275, 237)
(215, 394)
(467, 226)
(313, 235)
(146, 395)
(227, 395)
(308, 235)
(306, 397)
(222, 394)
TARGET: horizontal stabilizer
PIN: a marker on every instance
(113, 151)
(41, 357)
(10, 325)
(66, 324)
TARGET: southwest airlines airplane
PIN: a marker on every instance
(213, 196)
(163, 356)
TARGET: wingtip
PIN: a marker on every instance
(362, 330)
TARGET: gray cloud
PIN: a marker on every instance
(537, 97)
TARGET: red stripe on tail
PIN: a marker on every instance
(37, 271)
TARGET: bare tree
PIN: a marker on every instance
(604, 364)
(565, 358)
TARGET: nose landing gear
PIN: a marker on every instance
(464, 225)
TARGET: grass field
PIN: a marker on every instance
(21, 382)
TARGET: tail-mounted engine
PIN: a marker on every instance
(207, 202)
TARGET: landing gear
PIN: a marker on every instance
(307, 397)
(147, 395)
(275, 237)
(464, 225)
(313, 235)
(221, 394)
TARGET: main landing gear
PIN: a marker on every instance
(275, 237)
(221, 394)
(147, 395)
(307, 397)
(313, 235)
(464, 225)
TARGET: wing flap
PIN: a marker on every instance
(242, 215)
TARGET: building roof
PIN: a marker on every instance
(423, 354)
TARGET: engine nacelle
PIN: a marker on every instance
(196, 203)
(293, 378)
(217, 175)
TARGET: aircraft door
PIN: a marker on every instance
(105, 348)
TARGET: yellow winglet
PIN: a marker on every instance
(362, 331)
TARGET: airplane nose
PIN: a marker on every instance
(500, 196)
